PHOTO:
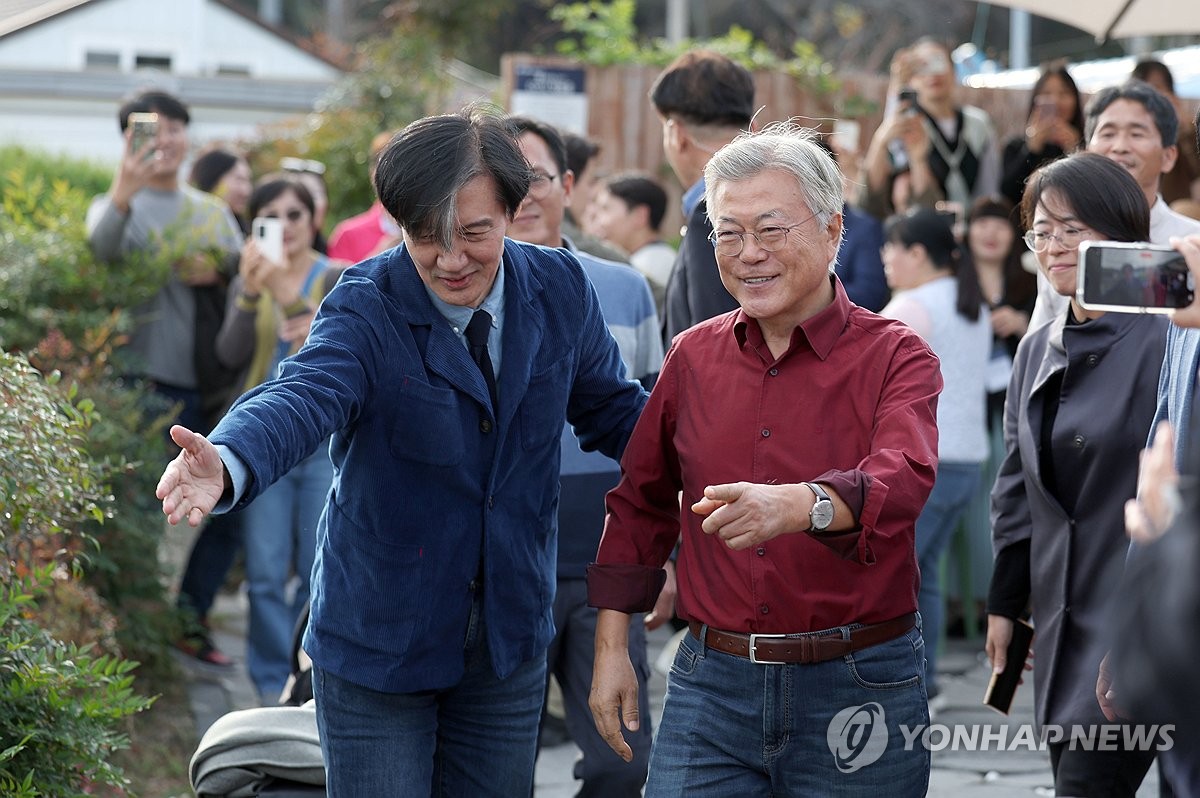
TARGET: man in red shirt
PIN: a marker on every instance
(801, 430)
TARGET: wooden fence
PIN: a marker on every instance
(622, 120)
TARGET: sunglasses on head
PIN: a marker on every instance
(302, 165)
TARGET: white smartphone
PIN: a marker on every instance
(144, 129)
(1133, 278)
(268, 232)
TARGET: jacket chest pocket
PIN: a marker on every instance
(544, 407)
(425, 425)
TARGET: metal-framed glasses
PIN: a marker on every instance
(729, 243)
(539, 184)
(1039, 240)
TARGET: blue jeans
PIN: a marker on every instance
(478, 738)
(281, 539)
(734, 727)
(948, 502)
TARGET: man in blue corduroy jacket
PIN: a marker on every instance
(444, 370)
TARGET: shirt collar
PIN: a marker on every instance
(459, 316)
(821, 331)
(692, 197)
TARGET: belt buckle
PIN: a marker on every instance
(754, 638)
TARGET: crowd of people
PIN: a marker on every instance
(451, 447)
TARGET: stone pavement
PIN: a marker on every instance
(956, 773)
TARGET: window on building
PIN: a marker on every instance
(100, 59)
(143, 61)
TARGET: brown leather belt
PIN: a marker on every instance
(803, 649)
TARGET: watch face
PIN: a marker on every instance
(822, 514)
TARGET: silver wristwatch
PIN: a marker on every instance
(821, 514)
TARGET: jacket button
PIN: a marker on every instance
(774, 372)
(1079, 441)
(491, 502)
(764, 609)
(766, 433)
(760, 551)
(1092, 360)
(485, 425)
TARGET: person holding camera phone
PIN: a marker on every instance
(1137, 127)
(1080, 402)
(1053, 128)
(962, 154)
(271, 307)
(147, 212)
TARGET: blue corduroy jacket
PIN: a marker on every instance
(426, 476)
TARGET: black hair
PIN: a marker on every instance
(1058, 71)
(925, 226)
(1100, 193)
(703, 87)
(1146, 67)
(210, 167)
(580, 151)
(426, 164)
(1020, 286)
(270, 188)
(547, 133)
(155, 101)
(636, 189)
(1137, 91)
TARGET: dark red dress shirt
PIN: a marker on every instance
(852, 404)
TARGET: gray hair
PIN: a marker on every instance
(786, 147)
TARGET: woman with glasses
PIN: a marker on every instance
(936, 292)
(268, 318)
(1079, 408)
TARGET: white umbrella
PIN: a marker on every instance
(1117, 19)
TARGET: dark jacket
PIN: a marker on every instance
(1074, 559)
(428, 482)
(695, 292)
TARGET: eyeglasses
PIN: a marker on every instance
(729, 243)
(302, 165)
(1039, 241)
(294, 215)
(539, 184)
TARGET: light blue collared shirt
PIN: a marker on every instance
(456, 315)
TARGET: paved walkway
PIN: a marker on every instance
(956, 774)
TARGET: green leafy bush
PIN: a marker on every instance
(61, 703)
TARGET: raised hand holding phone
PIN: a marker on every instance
(268, 234)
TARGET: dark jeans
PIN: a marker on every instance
(1097, 774)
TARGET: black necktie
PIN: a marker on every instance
(477, 339)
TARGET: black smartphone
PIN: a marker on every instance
(1003, 686)
(1132, 278)
(908, 101)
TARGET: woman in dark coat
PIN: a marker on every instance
(1053, 128)
(1080, 404)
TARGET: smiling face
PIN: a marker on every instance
(1125, 132)
(990, 238)
(539, 219)
(464, 274)
(1055, 216)
(784, 288)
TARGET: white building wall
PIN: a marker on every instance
(198, 35)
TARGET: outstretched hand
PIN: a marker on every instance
(193, 482)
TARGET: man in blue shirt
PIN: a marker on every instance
(444, 370)
(628, 309)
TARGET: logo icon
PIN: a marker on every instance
(857, 736)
